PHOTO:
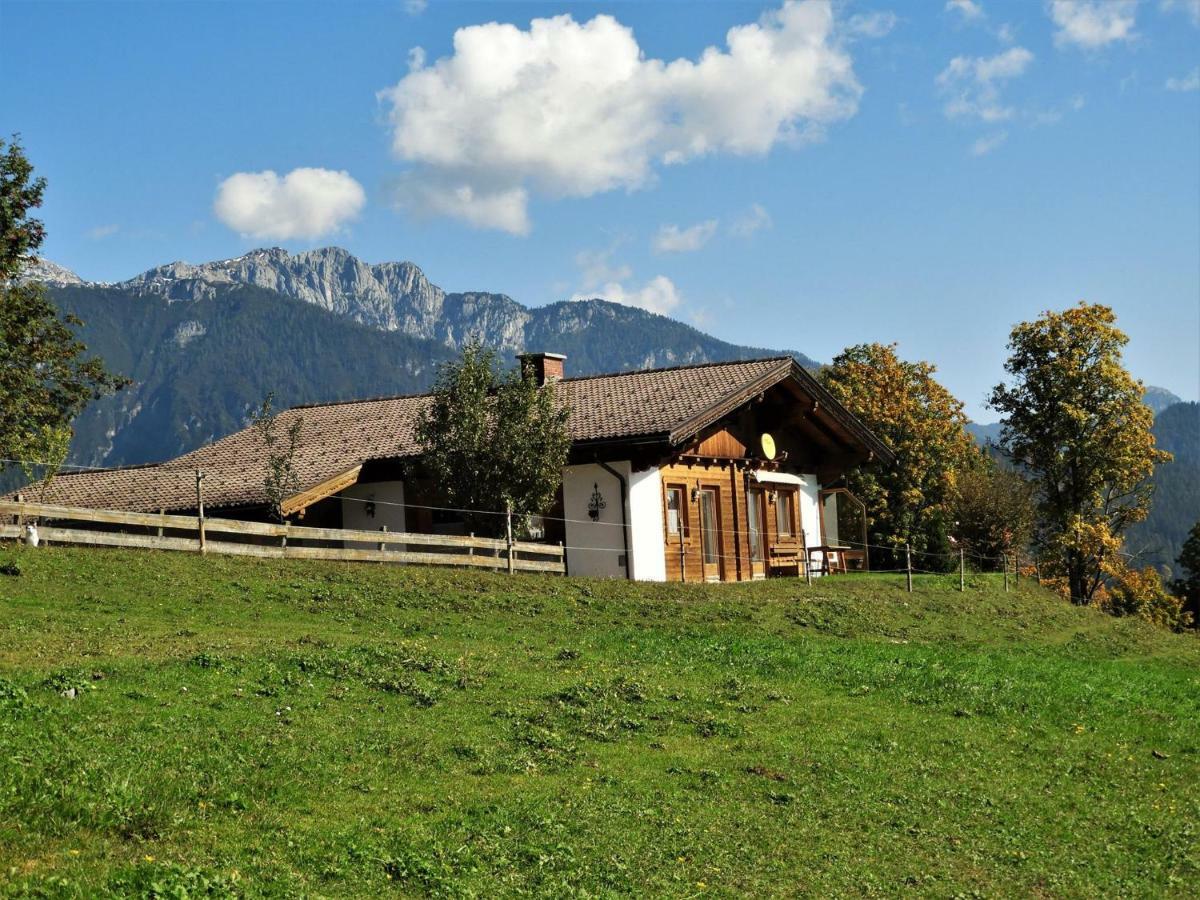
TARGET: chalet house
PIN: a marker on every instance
(714, 472)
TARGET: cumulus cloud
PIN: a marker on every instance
(304, 204)
(752, 220)
(602, 279)
(673, 239)
(1092, 24)
(972, 84)
(1190, 7)
(985, 145)
(658, 295)
(569, 109)
(968, 9)
(1189, 82)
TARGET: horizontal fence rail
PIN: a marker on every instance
(277, 541)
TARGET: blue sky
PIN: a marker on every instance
(926, 173)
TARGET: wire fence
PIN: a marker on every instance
(953, 562)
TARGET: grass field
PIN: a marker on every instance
(176, 726)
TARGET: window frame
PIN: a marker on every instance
(785, 506)
(682, 512)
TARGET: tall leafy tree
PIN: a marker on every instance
(924, 425)
(45, 379)
(1075, 421)
(494, 440)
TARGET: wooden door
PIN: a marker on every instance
(757, 532)
(710, 534)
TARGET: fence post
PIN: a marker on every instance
(471, 549)
(564, 557)
(20, 520)
(383, 544)
(1005, 558)
(161, 512)
(508, 533)
(962, 570)
(1037, 570)
(908, 565)
(283, 540)
(805, 558)
(200, 509)
(1017, 567)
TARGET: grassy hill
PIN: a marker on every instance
(177, 726)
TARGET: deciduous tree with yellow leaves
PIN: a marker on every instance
(1074, 420)
(924, 425)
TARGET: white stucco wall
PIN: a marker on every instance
(354, 512)
(810, 514)
(594, 548)
(647, 526)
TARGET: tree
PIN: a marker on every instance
(1075, 421)
(924, 425)
(492, 440)
(993, 513)
(280, 479)
(1188, 584)
(45, 381)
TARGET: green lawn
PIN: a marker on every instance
(271, 728)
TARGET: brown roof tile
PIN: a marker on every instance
(336, 437)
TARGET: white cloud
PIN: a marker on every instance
(595, 268)
(1189, 82)
(305, 203)
(415, 7)
(752, 220)
(1092, 24)
(872, 25)
(968, 9)
(673, 239)
(985, 145)
(100, 232)
(1190, 7)
(972, 83)
(568, 109)
(658, 295)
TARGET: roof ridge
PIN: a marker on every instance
(626, 372)
(704, 365)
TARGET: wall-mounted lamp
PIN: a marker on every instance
(369, 507)
(695, 494)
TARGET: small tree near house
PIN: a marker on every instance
(494, 442)
(280, 479)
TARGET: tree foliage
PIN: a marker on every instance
(492, 440)
(924, 425)
(993, 514)
(45, 381)
(280, 479)
(1073, 418)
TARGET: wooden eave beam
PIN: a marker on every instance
(327, 488)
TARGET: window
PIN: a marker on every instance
(676, 513)
(785, 513)
(709, 525)
(754, 518)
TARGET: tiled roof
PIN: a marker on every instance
(336, 437)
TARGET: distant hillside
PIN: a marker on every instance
(201, 367)
(1176, 504)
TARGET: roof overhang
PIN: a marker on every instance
(327, 488)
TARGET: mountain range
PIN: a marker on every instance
(205, 343)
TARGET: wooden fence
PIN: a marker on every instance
(159, 531)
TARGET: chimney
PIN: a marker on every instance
(542, 367)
